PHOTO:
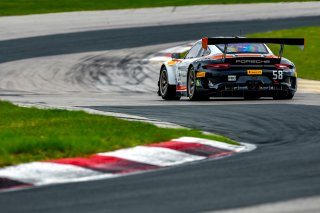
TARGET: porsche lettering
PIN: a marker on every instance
(253, 61)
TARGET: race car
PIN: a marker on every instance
(230, 67)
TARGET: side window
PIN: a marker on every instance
(194, 51)
(215, 50)
(204, 52)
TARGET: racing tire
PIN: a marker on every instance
(166, 91)
(193, 93)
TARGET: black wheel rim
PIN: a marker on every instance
(163, 82)
(191, 82)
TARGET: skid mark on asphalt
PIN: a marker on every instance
(118, 74)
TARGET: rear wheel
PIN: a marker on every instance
(193, 94)
(167, 91)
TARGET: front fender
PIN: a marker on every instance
(171, 68)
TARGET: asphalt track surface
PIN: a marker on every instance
(285, 165)
(114, 39)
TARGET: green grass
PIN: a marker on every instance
(307, 61)
(22, 7)
(30, 134)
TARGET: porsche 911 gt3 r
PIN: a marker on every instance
(230, 67)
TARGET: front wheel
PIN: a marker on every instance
(193, 93)
(167, 91)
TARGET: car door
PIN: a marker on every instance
(184, 64)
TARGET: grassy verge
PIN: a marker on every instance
(30, 134)
(22, 7)
(306, 61)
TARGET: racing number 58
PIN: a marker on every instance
(278, 74)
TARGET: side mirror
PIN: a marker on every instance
(176, 56)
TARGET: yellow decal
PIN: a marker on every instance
(254, 72)
(201, 74)
(172, 62)
(295, 74)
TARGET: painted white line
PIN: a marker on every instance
(305, 205)
(247, 147)
(178, 49)
(40, 173)
(159, 57)
(302, 80)
(212, 143)
(97, 112)
(309, 85)
(154, 155)
(307, 90)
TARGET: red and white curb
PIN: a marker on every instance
(116, 163)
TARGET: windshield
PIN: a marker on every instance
(244, 48)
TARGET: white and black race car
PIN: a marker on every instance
(230, 67)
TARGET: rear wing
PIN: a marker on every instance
(226, 41)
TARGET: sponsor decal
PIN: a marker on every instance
(201, 74)
(254, 72)
(232, 78)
